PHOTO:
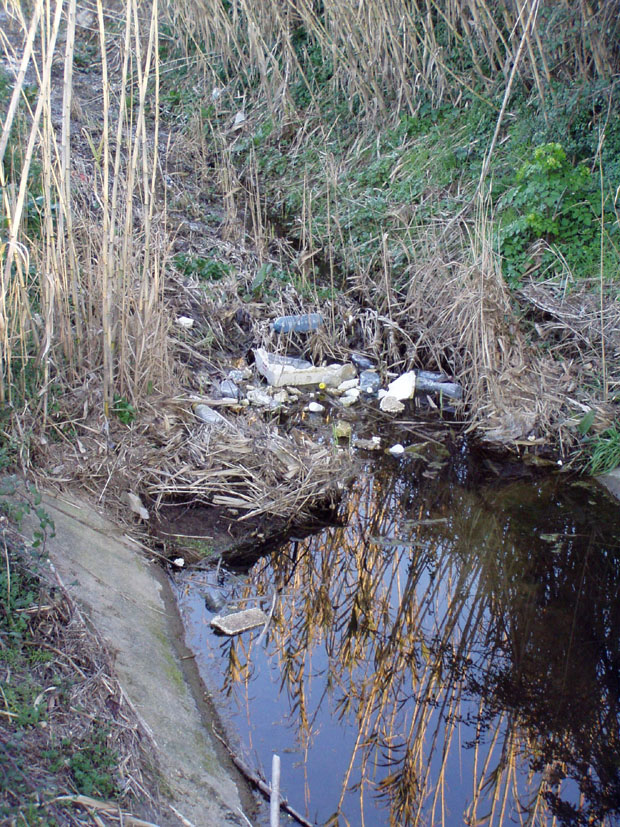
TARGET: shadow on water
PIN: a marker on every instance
(448, 655)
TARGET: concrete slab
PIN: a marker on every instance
(611, 481)
(121, 594)
(238, 622)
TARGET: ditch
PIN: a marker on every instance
(446, 653)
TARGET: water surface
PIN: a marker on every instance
(449, 654)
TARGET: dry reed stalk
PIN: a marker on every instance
(104, 303)
(384, 53)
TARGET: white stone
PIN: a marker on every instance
(349, 384)
(238, 622)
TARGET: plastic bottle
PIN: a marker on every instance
(304, 323)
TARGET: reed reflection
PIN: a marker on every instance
(465, 642)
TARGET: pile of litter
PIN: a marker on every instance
(239, 450)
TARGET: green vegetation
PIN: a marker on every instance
(57, 733)
(206, 269)
(31, 677)
(605, 451)
(377, 160)
(123, 410)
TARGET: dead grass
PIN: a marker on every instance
(81, 708)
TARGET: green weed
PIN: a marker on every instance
(123, 410)
(604, 451)
(206, 269)
(555, 201)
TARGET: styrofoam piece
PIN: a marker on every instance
(280, 371)
(403, 387)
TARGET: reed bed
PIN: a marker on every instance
(383, 54)
(83, 258)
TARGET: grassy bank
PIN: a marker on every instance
(421, 159)
(441, 178)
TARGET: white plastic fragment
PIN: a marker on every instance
(136, 505)
(261, 399)
(179, 561)
(211, 417)
(403, 387)
(372, 444)
(185, 321)
(239, 120)
(396, 450)
(238, 375)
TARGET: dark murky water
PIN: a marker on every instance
(449, 655)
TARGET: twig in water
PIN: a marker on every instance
(260, 784)
(259, 640)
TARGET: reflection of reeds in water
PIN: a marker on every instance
(403, 620)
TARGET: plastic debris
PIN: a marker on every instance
(361, 362)
(214, 599)
(229, 390)
(282, 370)
(281, 397)
(396, 450)
(404, 386)
(436, 382)
(370, 382)
(179, 561)
(372, 444)
(239, 120)
(136, 505)
(315, 407)
(240, 375)
(185, 321)
(342, 429)
(303, 323)
(239, 622)
(261, 399)
(211, 417)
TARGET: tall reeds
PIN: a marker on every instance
(384, 53)
(81, 300)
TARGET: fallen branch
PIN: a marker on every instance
(260, 783)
